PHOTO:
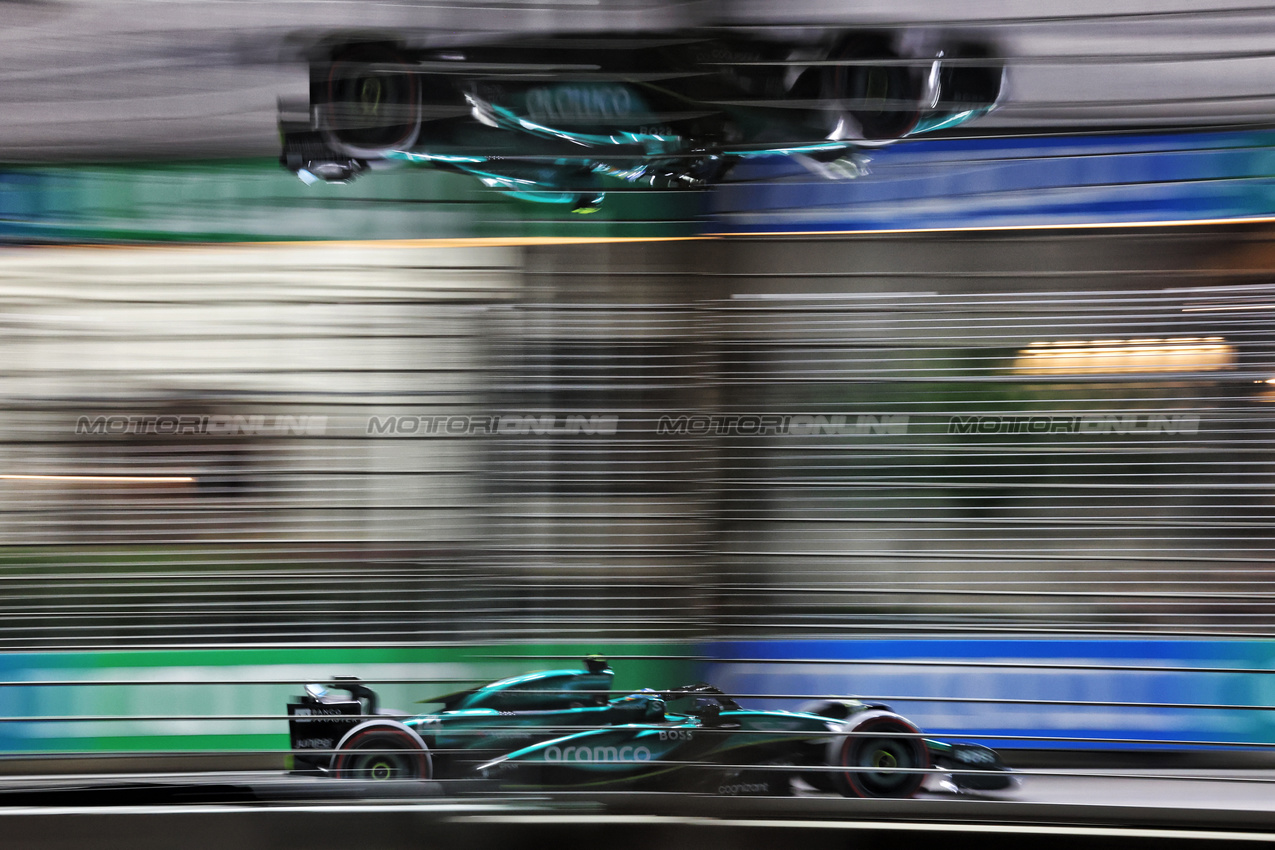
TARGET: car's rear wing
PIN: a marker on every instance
(318, 720)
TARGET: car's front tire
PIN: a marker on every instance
(878, 756)
(877, 102)
(372, 101)
(379, 751)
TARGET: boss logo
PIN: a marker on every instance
(676, 735)
(974, 756)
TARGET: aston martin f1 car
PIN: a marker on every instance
(560, 119)
(561, 729)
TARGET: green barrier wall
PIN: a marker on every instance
(206, 700)
(252, 200)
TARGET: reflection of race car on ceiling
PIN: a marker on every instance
(561, 729)
(561, 119)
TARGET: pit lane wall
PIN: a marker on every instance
(1029, 694)
(234, 700)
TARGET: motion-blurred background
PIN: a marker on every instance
(988, 427)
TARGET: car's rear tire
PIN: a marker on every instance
(372, 101)
(877, 757)
(379, 751)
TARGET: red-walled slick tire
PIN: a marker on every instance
(877, 756)
(372, 102)
(381, 750)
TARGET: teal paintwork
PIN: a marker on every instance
(515, 712)
(548, 689)
(671, 754)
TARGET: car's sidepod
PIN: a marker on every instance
(620, 755)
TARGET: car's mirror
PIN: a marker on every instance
(710, 711)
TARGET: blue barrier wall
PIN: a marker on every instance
(1126, 703)
(1014, 182)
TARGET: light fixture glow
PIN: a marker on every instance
(1126, 356)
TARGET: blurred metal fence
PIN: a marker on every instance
(1059, 434)
(1007, 433)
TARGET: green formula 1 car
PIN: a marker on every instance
(561, 729)
(563, 118)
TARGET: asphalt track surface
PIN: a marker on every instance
(1164, 790)
(246, 811)
(120, 79)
